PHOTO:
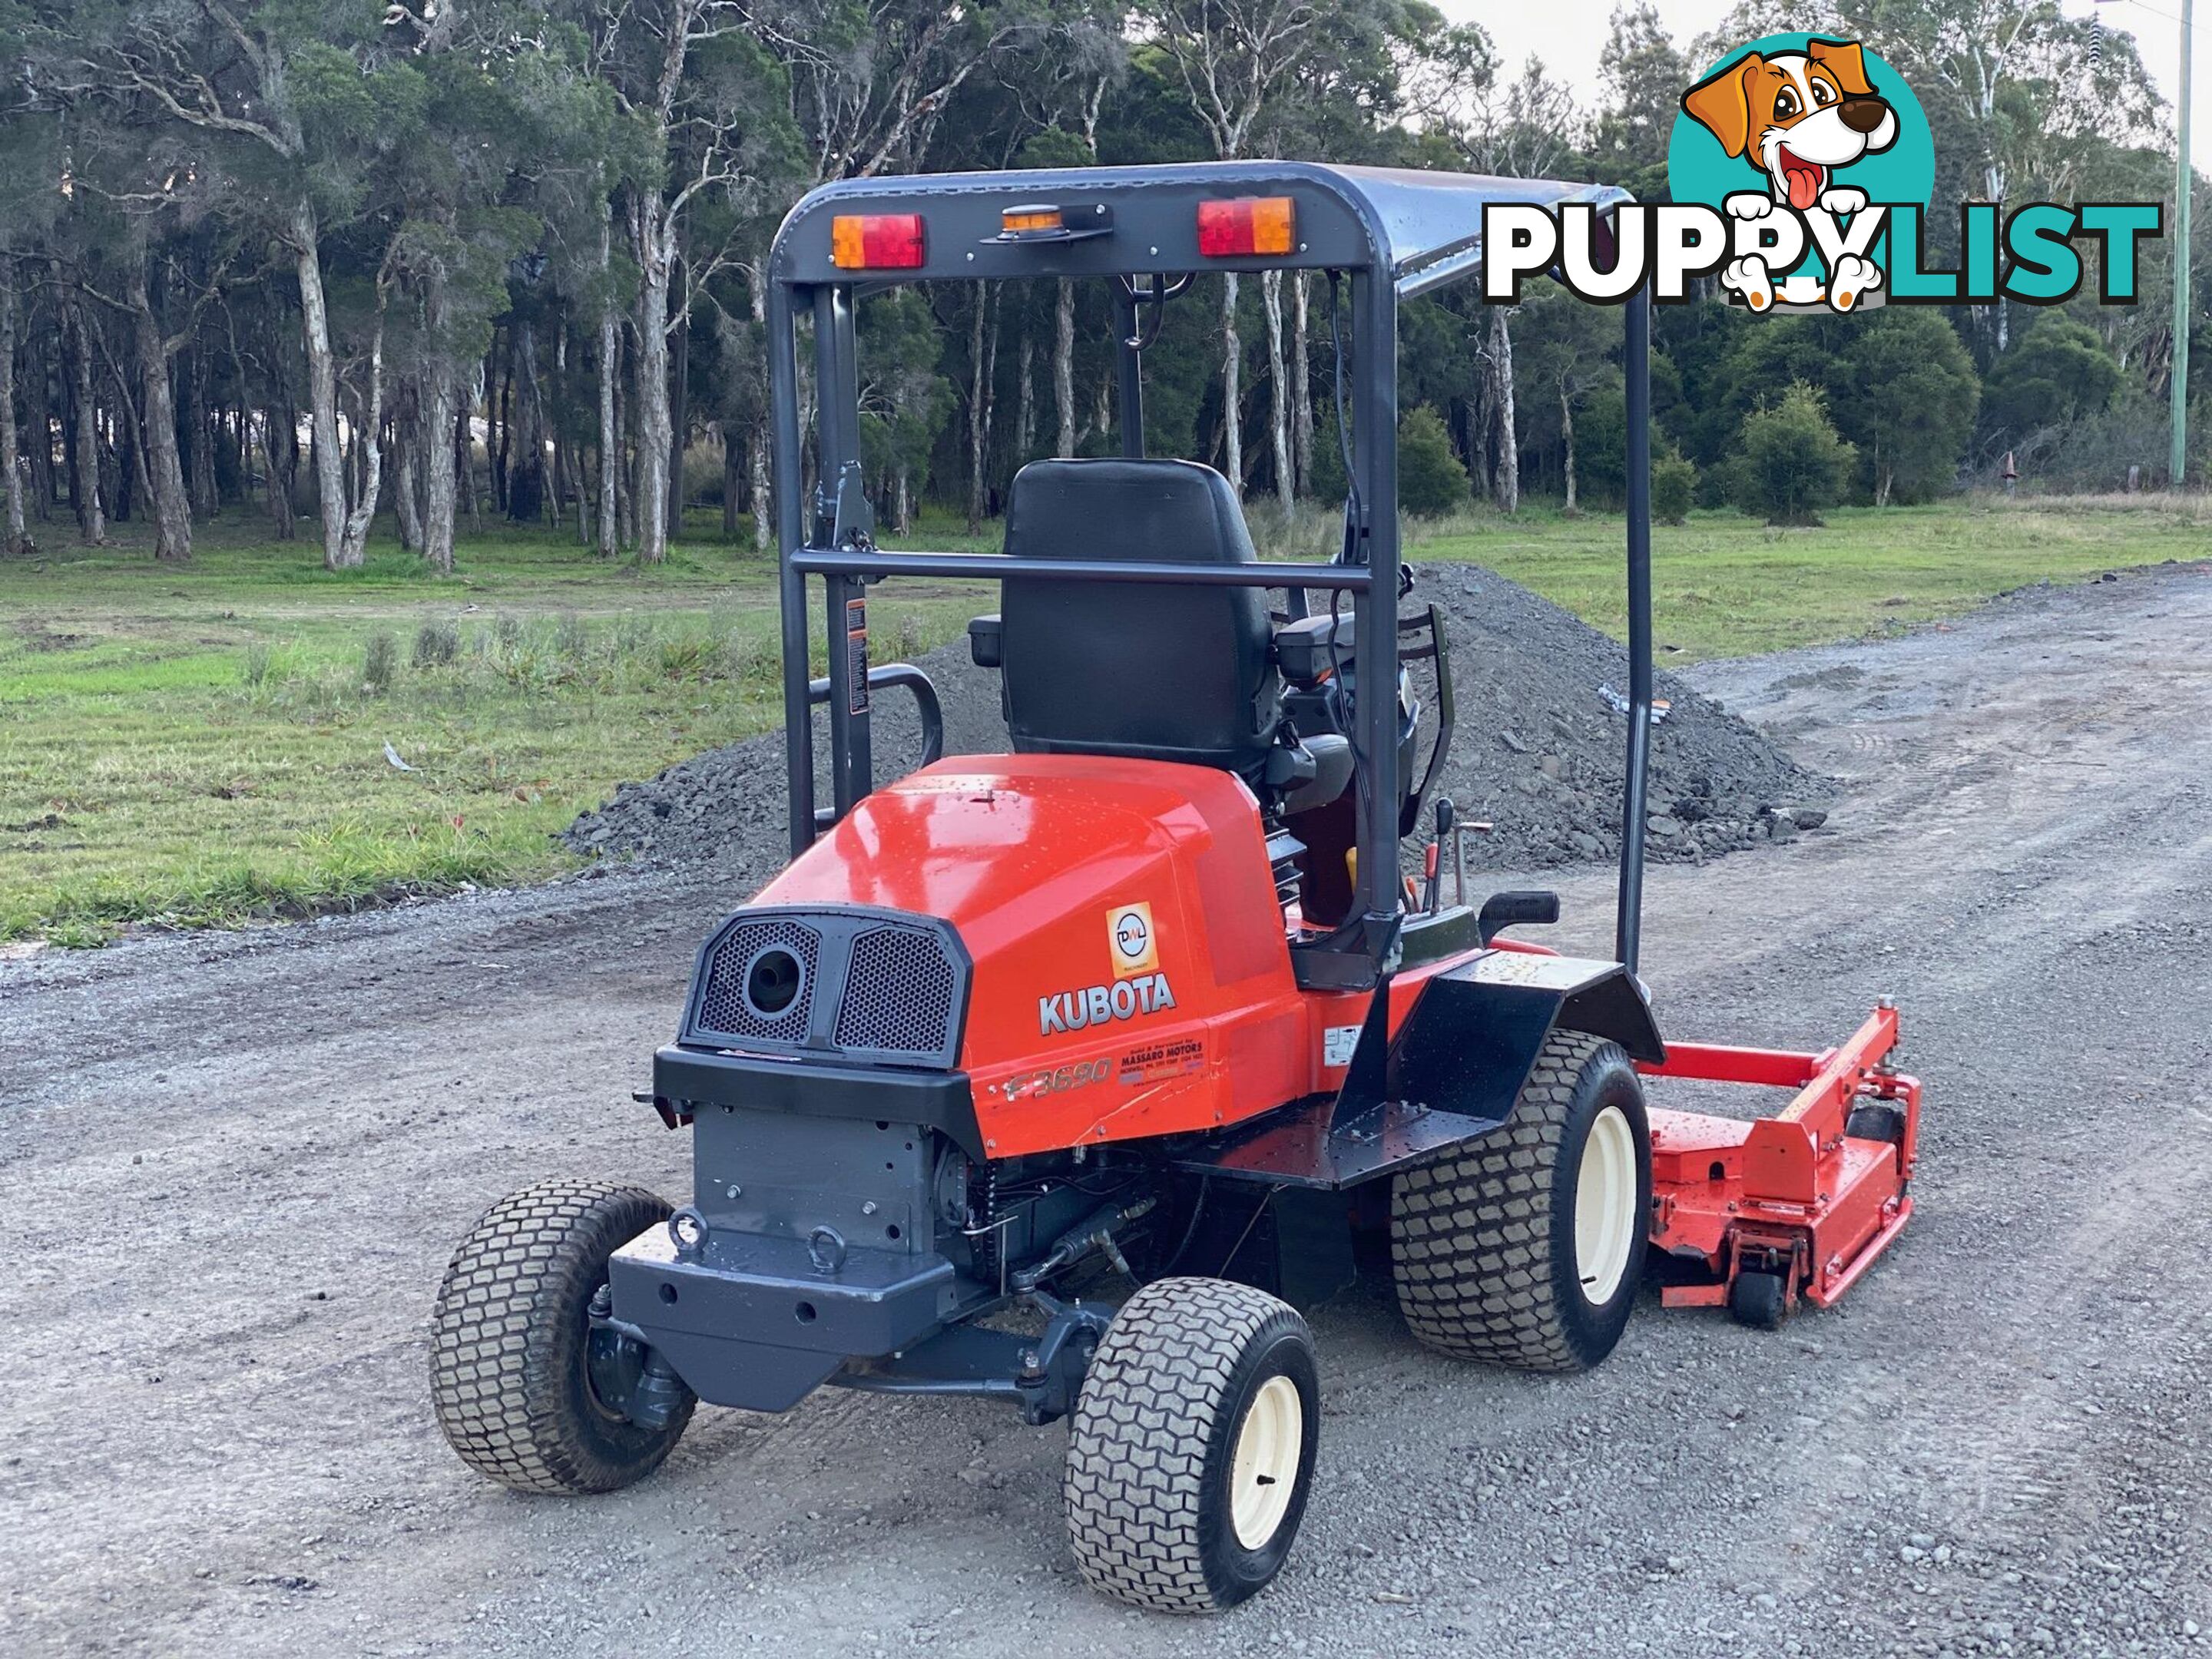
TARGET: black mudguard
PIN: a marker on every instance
(1473, 1038)
(1454, 1073)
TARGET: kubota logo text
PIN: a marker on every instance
(1094, 1004)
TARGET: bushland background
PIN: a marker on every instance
(381, 436)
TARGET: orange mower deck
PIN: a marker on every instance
(1796, 1196)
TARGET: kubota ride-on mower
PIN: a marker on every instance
(1063, 1076)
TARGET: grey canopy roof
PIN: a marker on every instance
(1426, 227)
(1433, 221)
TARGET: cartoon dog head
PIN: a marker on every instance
(1800, 115)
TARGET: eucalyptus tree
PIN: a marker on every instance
(1523, 128)
(1566, 355)
(1338, 102)
(525, 136)
(30, 200)
(702, 113)
(145, 236)
(1642, 74)
(299, 106)
(871, 85)
(1231, 56)
(1058, 80)
(1234, 59)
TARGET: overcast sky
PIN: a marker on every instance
(1568, 35)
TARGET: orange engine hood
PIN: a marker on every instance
(1131, 972)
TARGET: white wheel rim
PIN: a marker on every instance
(1605, 1206)
(1269, 1444)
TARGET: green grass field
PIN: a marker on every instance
(207, 744)
(1727, 586)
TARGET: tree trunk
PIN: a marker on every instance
(567, 475)
(1567, 433)
(466, 456)
(1232, 388)
(523, 435)
(733, 479)
(406, 469)
(679, 413)
(610, 373)
(127, 429)
(40, 398)
(757, 440)
(498, 423)
(982, 364)
(173, 515)
(1278, 425)
(353, 547)
(206, 501)
(1301, 421)
(84, 445)
(322, 386)
(280, 444)
(115, 482)
(1063, 368)
(241, 436)
(1024, 398)
(1508, 487)
(625, 443)
(441, 416)
(18, 540)
(653, 238)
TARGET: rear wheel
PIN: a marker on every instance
(1526, 1247)
(513, 1372)
(1191, 1448)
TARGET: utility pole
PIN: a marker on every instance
(2182, 172)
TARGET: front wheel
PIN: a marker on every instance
(1526, 1247)
(1190, 1451)
(513, 1367)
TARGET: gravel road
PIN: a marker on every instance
(235, 1165)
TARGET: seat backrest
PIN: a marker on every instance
(1161, 672)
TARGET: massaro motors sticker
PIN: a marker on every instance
(1801, 169)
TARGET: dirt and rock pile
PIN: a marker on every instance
(1538, 753)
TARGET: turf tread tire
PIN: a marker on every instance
(1135, 1490)
(508, 1335)
(1472, 1235)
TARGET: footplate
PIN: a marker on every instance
(1811, 1195)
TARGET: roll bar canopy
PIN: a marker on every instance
(1421, 229)
(1395, 233)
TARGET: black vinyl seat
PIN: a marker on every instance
(1140, 669)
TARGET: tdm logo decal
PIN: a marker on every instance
(1094, 1004)
(1132, 942)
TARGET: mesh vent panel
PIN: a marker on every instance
(899, 994)
(723, 1007)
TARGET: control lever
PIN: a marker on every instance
(1445, 814)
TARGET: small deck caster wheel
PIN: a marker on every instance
(1876, 1120)
(1759, 1300)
